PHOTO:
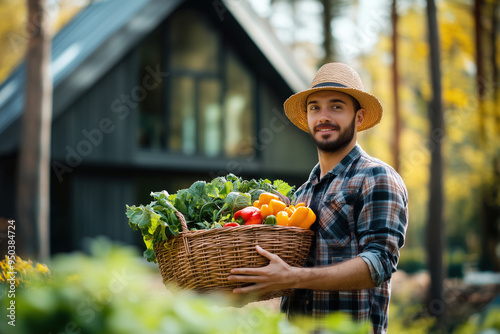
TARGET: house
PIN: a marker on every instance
(152, 95)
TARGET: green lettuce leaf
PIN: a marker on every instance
(282, 187)
(236, 201)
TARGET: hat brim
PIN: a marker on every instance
(295, 106)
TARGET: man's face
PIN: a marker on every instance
(332, 120)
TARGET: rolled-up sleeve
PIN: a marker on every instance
(382, 221)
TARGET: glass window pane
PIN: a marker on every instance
(210, 139)
(238, 110)
(151, 132)
(182, 127)
(193, 42)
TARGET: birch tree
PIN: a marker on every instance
(33, 183)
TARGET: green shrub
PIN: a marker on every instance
(412, 260)
(487, 322)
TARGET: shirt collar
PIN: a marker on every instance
(341, 166)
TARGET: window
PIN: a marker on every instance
(205, 106)
(239, 112)
(151, 120)
(194, 45)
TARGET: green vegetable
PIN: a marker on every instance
(270, 220)
(236, 201)
(203, 205)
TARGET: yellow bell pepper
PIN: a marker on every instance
(266, 210)
(290, 210)
(302, 217)
(266, 197)
(282, 218)
(276, 206)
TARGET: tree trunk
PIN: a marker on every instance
(435, 224)
(34, 154)
(496, 77)
(490, 209)
(327, 30)
(395, 88)
(496, 102)
(480, 79)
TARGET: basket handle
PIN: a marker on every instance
(180, 216)
(165, 202)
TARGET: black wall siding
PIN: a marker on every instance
(98, 208)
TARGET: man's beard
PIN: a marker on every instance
(331, 146)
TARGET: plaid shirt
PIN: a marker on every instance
(361, 206)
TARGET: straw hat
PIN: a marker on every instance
(339, 77)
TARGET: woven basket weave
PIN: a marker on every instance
(202, 260)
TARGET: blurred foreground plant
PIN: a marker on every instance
(115, 291)
(488, 322)
(22, 272)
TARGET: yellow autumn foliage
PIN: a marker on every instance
(14, 31)
(468, 147)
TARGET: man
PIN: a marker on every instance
(360, 203)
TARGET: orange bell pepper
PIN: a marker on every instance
(276, 206)
(290, 210)
(265, 211)
(282, 218)
(303, 217)
(266, 197)
(310, 219)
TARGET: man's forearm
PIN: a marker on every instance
(353, 274)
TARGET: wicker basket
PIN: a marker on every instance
(202, 260)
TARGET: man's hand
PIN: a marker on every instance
(277, 275)
(352, 274)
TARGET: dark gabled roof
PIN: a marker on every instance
(102, 24)
(105, 30)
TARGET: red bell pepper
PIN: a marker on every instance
(231, 224)
(248, 216)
